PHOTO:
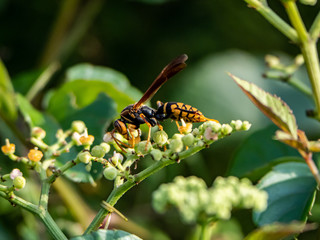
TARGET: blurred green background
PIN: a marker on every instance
(138, 38)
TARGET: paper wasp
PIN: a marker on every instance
(132, 116)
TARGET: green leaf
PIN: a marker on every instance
(7, 99)
(259, 153)
(36, 118)
(271, 105)
(108, 235)
(83, 93)
(291, 191)
(115, 83)
(96, 116)
(279, 231)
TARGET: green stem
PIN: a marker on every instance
(315, 29)
(52, 227)
(61, 170)
(42, 80)
(118, 192)
(45, 188)
(274, 19)
(205, 231)
(309, 51)
(58, 33)
(294, 82)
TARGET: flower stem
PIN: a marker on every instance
(274, 19)
(118, 192)
(309, 51)
(315, 28)
(50, 224)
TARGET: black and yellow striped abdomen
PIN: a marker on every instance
(178, 111)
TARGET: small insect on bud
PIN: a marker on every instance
(38, 133)
(156, 154)
(19, 182)
(35, 155)
(85, 157)
(78, 126)
(98, 151)
(160, 138)
(9, 148)
(110, 173)
(105, 146)
(176, 145)
(188, 139)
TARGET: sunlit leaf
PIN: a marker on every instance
(289, 140)
(271, 105)
(259, 153)
(291, 191)
(279, 231)
(108, 235)
(7, 99)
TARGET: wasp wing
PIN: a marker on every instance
(175, 66)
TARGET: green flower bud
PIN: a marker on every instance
(78, 126)
(110, 173)
(160, 138)
(156, 154)
(299, 60)
(246, 125)
(308, 2)
(19, 182)
(236, 124)
(177, 136)
(105, 146)
(38, 133)
(98, 151)
(176, 145)
(141, 148)
(272, 61)
(116, 158)
(226, 129)
(188, 139)
(85, 157)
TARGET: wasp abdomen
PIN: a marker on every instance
(178, 111)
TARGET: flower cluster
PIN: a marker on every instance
(193, 199)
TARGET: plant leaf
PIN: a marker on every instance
(279, 231)
(96, 116)
(36, 118)
(291, 191)
(7, 98)
(107, 235)
(259, 153)
(271, 105)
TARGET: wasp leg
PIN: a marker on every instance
(118, 142)
(179, 128)
(149, 132)
(133, 140)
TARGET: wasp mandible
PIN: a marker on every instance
(132, 116)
